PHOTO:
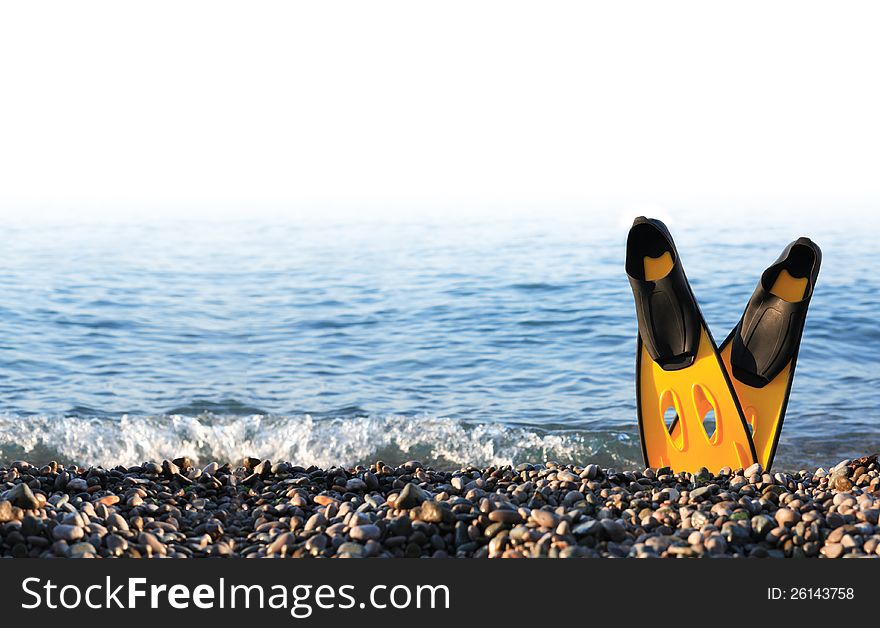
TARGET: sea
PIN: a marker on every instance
(478, 340)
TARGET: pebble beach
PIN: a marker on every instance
(260, 509)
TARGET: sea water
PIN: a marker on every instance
(485, 340)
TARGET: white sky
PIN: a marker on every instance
(408, 106)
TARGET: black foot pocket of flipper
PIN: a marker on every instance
(769, 333)
(669, 321)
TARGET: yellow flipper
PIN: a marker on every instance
(762, 408)
(691, 393)
(679, 370)
(768, 336)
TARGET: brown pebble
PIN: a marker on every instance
(832, 550)
(787, 516)
(505, 516)
(544, 518)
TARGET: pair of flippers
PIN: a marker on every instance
(683, 378)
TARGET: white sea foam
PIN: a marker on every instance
(300, 439)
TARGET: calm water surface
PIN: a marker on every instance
(476, 341)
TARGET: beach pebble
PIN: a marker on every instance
(22, 496)
(116, 545)
(431, 512)
(755, 469)
(65, 532)
(6, 512)
(587, 528)
(672, 494)
(31, 526)
(150, 541)
(544, 518)
(315, 522)
(352, 550)
(787, 516)
(355, 485)
(505, 516)
(567, 476)
(410, 497)
(281, 543)
(715, 544)
(117, 522)
(701, 492)
(832, 550)
(762, 524)
(738, 483)
(365, 532)
(614, 530)
(169, 469)
(77, 485)
(699, 519)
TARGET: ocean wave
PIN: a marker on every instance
(304, 440)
